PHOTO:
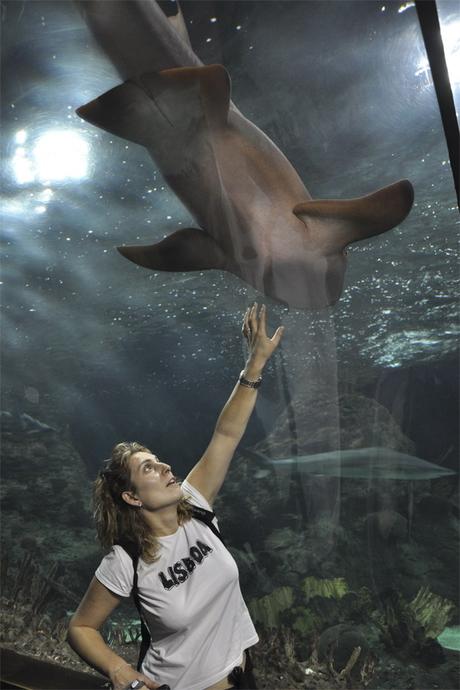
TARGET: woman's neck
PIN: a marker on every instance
(163, 521)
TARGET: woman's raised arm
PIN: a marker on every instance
(210, 471)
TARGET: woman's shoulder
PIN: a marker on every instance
(116, 571)
(194, 496)
(118, 555)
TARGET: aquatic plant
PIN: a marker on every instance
(315, 587)
(431, 611)
(123, 632)
(305, 621)
(410, 629)
(267, 609)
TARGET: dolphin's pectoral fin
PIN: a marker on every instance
(123, 111)
(334, 223)
(178, 99)
(188, 249)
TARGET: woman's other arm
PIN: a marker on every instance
(85, 639)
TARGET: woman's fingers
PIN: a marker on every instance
(277, 336)
(245, 327)
(253, 319)
(263, 321)
(255, 326)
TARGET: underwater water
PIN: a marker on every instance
(96, 349)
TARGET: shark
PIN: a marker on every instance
(375, 462)
(255, 218)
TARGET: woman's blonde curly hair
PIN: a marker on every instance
(116, 520)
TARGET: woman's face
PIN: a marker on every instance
(152, 481)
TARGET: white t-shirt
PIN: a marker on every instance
(192, 604)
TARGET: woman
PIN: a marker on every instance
(188, 582)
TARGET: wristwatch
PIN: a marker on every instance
(249, 384)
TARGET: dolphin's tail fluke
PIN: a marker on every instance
(337, 223)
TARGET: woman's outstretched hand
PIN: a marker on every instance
(261, 347)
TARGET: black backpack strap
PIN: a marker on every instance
(133, 551)
(206, 516)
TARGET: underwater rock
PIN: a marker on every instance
(363, 423)
(387, 524)
(46, 496)
(339, 643)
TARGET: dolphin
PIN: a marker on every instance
(255, 217)
(375, 462)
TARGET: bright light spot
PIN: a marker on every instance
(40, 209)
(406, 6)
(208, 40)
(423, 67)
(46, 195)
(57, 155)
(382, 9)
(238, 27)
(61, 155)
(22, 167)
(213, 20)
(21, 136)
(451, 39)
